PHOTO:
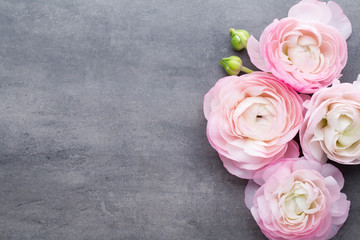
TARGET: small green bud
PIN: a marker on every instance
(239, 38)
(232, 65)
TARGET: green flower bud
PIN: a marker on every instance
(233, 65)
(239, 38)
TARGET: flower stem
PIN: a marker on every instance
(246, 70)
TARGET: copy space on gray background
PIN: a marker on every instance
(102, 134)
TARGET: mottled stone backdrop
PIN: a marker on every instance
(102, 134)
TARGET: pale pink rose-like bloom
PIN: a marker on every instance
(306, 50)
(298, 199)
(331, 127)
(252, 120)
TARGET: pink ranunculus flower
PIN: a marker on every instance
(307, 50)
(331, 127)
(298, 199)
(252, 120)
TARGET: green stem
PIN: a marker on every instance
(246, 70)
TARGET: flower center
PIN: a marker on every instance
(300, 200)
(303, 51)
(340, 129)
(254, 118)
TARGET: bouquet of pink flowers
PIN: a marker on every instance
(252, 120)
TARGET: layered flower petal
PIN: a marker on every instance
(290, 200)
(330, 13)
(331, 127)
(306, 50)
(252, 120)
(253, 48)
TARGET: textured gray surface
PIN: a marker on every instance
(102, 133)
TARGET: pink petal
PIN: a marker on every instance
(333, 188)
(292, 150)
(330, 14)
(336, 82)
(207, 104)
(330, 170)
(334, 231)
(264, 210)
(253, 49)
(255, 214)
(357, 82)
(305, 97)
(341, 207)
(325, 228)
(280, 169)
(303, 163)
(311, 11)
(339, 20)
(211, 98)
(234, 170)
(250, 190)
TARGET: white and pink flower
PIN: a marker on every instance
(331, 127)
(306, 50)
(298, 199)
(252, 120)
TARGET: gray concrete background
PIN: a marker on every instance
(102, 134)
